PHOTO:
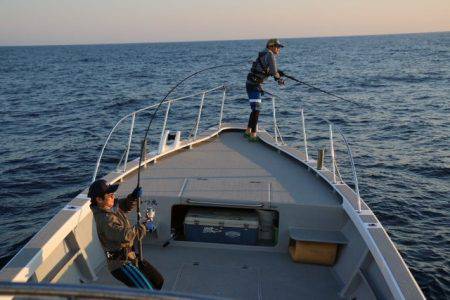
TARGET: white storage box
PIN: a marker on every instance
(229, 226)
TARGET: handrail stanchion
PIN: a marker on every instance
(355, 179)
(133, 117)
(161, 140)
(97, 165)
(199, 116)
(304, 135)
(333, 158)
(352, 163)
(221, 107)
(274, 121)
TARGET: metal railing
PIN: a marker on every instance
(334, 169)
(276, 130)
(133, 115)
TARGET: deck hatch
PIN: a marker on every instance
(221, 281)
(227, 190)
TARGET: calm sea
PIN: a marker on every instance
(58, 104)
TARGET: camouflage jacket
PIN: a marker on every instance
(115, 230)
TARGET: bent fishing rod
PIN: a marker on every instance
(321, 90)
(138, 208)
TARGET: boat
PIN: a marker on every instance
(234, 219)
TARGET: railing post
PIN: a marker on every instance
(199, 116)
(333, 158)
(355, 181)
(133, 117)
(144, 152)
(352, 163)
(304, 135)
(163, 142)
(164, 127)
(274, 120)
(221, 107)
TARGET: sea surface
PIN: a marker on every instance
(58, 104)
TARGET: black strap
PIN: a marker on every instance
(265, 71)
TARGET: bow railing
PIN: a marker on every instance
(279, 140)
(332, 128)
(132, 117)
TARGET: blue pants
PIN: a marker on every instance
(254, 94)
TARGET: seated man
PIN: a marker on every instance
(117, 235)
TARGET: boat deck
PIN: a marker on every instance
(237, 274)
(231, 168)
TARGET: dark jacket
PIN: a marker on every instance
(115, 231)
(263, 67)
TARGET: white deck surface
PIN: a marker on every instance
(230, 167)
(237, 274)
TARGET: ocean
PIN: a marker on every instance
(58, 104)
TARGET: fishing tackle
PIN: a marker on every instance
(321, 90)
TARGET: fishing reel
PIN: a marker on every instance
(150, 216)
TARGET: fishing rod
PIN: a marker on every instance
(138, 208)
(321, 90)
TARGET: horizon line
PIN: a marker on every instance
(222, 40)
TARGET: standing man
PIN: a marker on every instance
(263, 67)
(117, 235)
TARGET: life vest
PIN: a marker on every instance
(258, 76)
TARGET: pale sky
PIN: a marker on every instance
(48, 22)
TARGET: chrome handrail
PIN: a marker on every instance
(352, 162)
(134, 113)
(333, 158)
(305, 144)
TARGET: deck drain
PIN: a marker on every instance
(196, 263)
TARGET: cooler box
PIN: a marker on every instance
(224, 226)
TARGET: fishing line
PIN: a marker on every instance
(167, 95)
(323, 91)
(148, 129)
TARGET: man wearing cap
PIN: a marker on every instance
(117, 235)
(263, 67)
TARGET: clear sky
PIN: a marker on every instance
(42, 22)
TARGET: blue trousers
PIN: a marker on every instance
(254, 96)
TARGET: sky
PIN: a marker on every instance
(50, 22)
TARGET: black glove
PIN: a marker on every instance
(137, 193)
(281, 73)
